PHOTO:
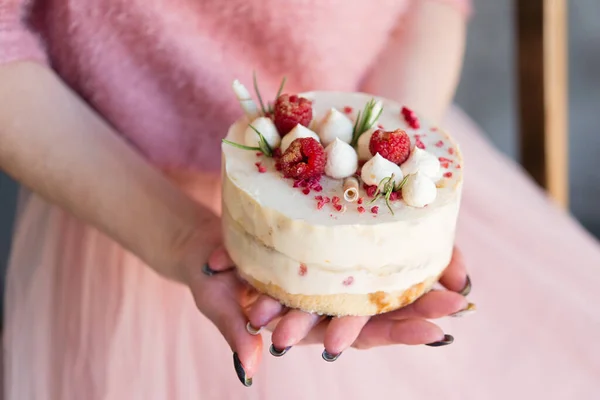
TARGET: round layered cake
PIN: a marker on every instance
(339, 203)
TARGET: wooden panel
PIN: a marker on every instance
(541, 42)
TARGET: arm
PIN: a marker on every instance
(421, 65)
(53, 143)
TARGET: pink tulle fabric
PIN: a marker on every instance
(86, 320)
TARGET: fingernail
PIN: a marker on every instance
(208, 271)
(330, 357)
(467, 289)
(469, 309)
(239, 370)
(448, 339)
(278, 353)
(252, 330)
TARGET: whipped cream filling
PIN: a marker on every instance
(270, 266)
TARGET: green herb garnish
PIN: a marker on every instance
(268, 109)
(263, 145)
(366, 119)
(385, 189)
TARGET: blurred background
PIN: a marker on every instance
(487, 93)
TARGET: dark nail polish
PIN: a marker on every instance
(469, 309)
(252, 330)
(208, 271)
(241, 373)
(467, 289)
(330, 357)
(278, 353)
(448, 339)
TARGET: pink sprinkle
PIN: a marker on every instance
(439, 143)
(335, 200)
(375, 209)
(347, 109)
(260, 168)
(348, 281)
(419, 144)
(360, 209)
(451, 150)
(360, 200)
(448, 175)
(338, 207)
(302, 270)
(306, 191)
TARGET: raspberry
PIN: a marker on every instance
(291, 110)
(303, 159)
(393, 145)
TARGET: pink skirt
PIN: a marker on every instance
(87, 320)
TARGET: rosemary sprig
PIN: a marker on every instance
(269, 108)
(263, 145)
(366, 119)
(255, 81)
(385, 189)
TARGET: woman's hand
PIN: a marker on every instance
(236, 310)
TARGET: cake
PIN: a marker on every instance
(339, 203)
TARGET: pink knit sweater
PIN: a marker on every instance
(160, 71)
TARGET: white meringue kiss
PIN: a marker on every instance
(378, 168)
(267, 128)
(422, 161)
(342, 160)
(335, 125)
(363, 144)
(419, 190)
(300, 131)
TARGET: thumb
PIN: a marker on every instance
(218, 261)
(216, 296)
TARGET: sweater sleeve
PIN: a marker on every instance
(17, 41)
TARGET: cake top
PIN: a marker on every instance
(334, 158)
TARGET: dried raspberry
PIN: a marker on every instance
(348, 110)
(380, 126)
(445, 164)
(420, 144)
(348, 281)
(320, 205)
(395, 196)
(448, 175)
(375, 209)
(338, 207)
(335, 200)
(326, 199)
(360, 209)
(439, 143)
(371, 190)
(444, 159)
(304, 159)
(291, 110)
(319, 198)
(302, 270)
(411, 118)
(306, 191)
(261, 168)
(451, 150)
(360, 200)
(393, 145)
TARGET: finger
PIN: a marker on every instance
(455, 276)
(263, 311)
(435, 304)
(408, 331)
(219, 261)
(340, 335)
(216, 297)
(291, 329)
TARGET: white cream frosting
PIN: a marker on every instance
(267, 128)
(271, 228)
(419, 190)
(299, 131)
(342, 160)
(422, 161)
(335, 125)
(378, 168)
(364, 153)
